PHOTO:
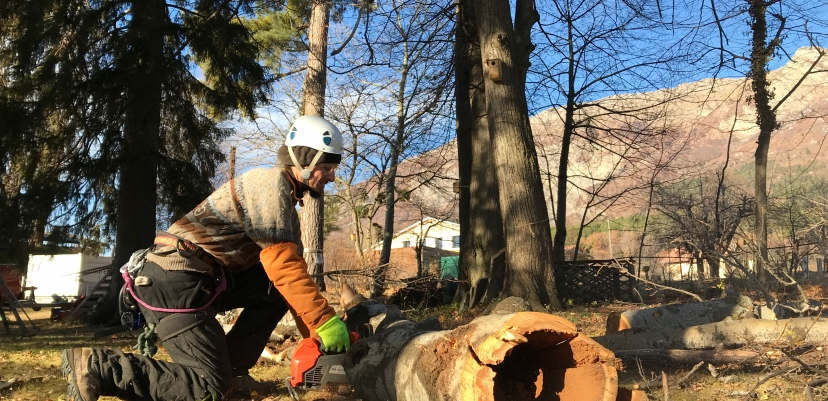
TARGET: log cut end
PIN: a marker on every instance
(539, 356)
(616, 322)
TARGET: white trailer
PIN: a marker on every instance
(64, 278)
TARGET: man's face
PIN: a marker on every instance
(322, 174)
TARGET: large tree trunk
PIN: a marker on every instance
(462, 84)
(526, 355)
(504, 54)
(734, 333)
(681, 316)
(139, 165)
(484, 234)
(766, 119)
(313, 98)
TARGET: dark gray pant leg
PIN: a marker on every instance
(263, 308)
(201, 364)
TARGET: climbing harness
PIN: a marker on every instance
(180, 319)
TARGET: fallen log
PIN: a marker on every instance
(524, 355)
(681, 316)
(728, 334)
(686, 357)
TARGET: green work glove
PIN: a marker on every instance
(334, 335)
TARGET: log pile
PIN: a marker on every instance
(709, 331)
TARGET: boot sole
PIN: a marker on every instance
(67, 359)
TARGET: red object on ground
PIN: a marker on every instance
(9, 275)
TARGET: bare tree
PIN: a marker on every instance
(505, 56)
(704, 215)
(592, 49)
(788, 21)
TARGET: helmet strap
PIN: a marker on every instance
(306, 171)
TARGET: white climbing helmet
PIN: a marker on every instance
(316, 133)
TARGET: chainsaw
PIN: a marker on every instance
(312, 369)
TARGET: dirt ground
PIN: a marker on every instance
(31, 365)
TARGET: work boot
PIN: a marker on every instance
(84, 383)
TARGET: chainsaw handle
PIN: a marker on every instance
(352, 337)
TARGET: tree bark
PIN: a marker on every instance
(136, 205)
(504, 53)
(465, 122)
(766, 119)
(313, 99)
(797, 331)
(681, 316)
(525, 355)
(484, 235)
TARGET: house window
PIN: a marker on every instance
(819, 265)
(455, 241)
(804, 264)
(406, 244)
(438, 243)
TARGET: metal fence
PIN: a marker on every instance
(588, 281)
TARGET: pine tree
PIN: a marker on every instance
(117, 106)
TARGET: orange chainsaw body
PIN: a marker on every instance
(311, 368)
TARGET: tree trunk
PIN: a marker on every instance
(136, 205)
(357, 234)
(523, 208)
(558, 249)
(792, 332)
(313, 99)
(525, 355)
(681, 316)
(713, 262)
(390, 183)
(766, 119)
(465, 122)
(485, 230)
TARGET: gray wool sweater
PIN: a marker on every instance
(245, 215)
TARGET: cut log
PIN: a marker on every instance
(727, 334)
(686, 357)
(525, 355)
(681, 316)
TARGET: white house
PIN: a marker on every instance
(433, 232)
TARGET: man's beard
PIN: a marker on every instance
(313, 193)
(305, 188)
